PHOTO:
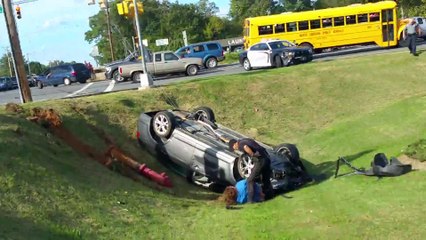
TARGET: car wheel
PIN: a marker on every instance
(136, 77)
(55, 85)
(246, 64)
(211, 63)
(67, 81)
(191, 70)
(307, 45)
(291, 152)
(40, 84)
(244, 165)
(204, 113)
(116, 76)
(278, 62)
(163, 124)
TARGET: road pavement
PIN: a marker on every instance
(100, 87)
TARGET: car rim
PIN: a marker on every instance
(284, 151)
(245, 166)
(246, 64)
(161, 124)
(212, 63)
(201, 115)
(67, 81)
(193, 71)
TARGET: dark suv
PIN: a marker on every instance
(64, 74)
(210, 52)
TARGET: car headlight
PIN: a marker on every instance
(290, 54)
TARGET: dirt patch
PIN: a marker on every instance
(112, 157)
(14, 108)
(416, 164)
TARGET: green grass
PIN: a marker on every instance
(232, 57)
(354, 107)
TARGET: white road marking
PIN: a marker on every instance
(110, 86)
(79, 91)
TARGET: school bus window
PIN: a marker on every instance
(387, 15)
(326, 22)
(350, 19)
(339, 21)
(291, 27)
(279, 28)
(315, 24)
(362, 18)
(303, 25)
(374, 17)
(263, 30)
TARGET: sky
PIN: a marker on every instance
(54, 29)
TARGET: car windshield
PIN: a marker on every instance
(280, 44)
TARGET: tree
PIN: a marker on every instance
(241, 9)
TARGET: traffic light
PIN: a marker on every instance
(18, 12)
(127, 9)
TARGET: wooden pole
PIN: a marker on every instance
(17, 58)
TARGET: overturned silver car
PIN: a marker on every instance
(195, 142)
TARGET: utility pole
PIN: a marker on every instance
(145, 77)
(16, 52)
(104, 4)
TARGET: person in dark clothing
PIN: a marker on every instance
(262, 165)
(410, 32)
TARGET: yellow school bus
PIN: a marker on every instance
(327, 28)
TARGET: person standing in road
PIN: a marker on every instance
(410, 32)
(262, 165)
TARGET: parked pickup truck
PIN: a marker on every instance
(162, 63)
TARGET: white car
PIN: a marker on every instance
(420, 20)
(274, 53)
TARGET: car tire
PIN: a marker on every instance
(211, 62)
(243, 166)
(116, 76)
(164, 124)
(191, 70)
(83, 81)
(307, 45)
(291, 152)
(204, 113)
(55, 85)
(67, 81)
(40, 84)
(136, 76)
(278, 62)
(246, 64)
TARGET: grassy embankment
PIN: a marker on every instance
(354, 107)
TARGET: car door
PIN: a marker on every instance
(172, 63)
(258, 55)
(422, 25)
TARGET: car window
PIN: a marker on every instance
(2, 80)
(212, 46)
(419, 20)
(280, 44)
(198, 48)
(79, 67)
(63, 69)
(170, 57)
(158, 57)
